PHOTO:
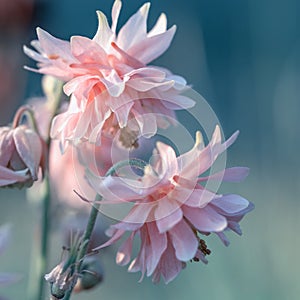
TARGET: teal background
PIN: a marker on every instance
(243, 57)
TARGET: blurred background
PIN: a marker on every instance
(243, 57)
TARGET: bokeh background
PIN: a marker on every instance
(243, 57)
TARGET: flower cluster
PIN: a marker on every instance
(113, 100)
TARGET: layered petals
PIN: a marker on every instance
(172, 211)
(22, 155)
(111, 70)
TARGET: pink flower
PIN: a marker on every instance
(67, 171)
(108, 78)
(172, 210)
(22, 154)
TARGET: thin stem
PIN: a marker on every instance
(86, 239)
(39, 264)
(44, 241)
(138, 163)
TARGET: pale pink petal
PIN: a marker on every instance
(83, 123)
(235, 174)
(135, 29)
(124, 253)
(29, 147)
(167, 214)
(104, 34)
(122, 113)
(35, 56)
(8, 176)
(159, 27)
(115, 12)
(115, 188)
(116, 236)
(177, 102)
(152, 47)
(54, 47)
(147, 123)
(87, 50)
(184, 241)
(169, 266)
(158, 242)
(205, 219)
(168, 160)
(194, 198)
(230, 204)
(86, 81)
(113, 83)
(138, 215)
(6, 145)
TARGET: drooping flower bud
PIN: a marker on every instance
(22, 153)
(91, 274)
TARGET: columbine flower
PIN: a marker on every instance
(22, 153)
(173, 211)
(109, 80)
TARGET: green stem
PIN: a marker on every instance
(138, 163)
(86, 238)
(40, 258)
(39, 268)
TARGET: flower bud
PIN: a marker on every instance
(91, 274)
(22, 153)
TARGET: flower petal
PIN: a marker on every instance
(104, 34)
(8, 176)
(29, 147)
(152, 47)
(124, 252)
(184, 241)
(167, 214)
(235, 174)
(135, 28)
(205, 219)
(160, 26)
(230, 204)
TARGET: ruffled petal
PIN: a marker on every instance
(88, 51)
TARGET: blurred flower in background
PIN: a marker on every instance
(5, 278)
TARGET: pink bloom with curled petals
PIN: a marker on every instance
(109, 80)
(22, 154)
(172, 210)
